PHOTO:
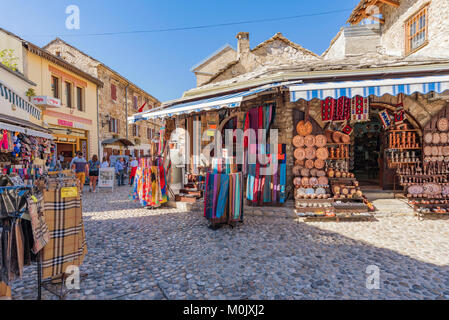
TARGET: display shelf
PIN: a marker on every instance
(328, 200)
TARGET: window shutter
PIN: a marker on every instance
(113, 92)
(110, 125)
(118, 126)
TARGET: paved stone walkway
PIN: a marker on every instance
(135, 253)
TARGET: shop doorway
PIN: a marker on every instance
(368, 153)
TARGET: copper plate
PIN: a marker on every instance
(300, 154)
(319, 163)
(320, 141)
(435, 151)
(310, 164)
(309, 141)
(443, 137)
(299, 162)
(304, 128)
(428, 137)
(297, 181)
(323, 181)
(298, 141)
(436, 138)
(296, 170)
(445, 151)
(305, 181)
(305, 172)
(313, 172)
(443, 124)
(428, 150)
(345, 138)
(322, 153)
(321, 173)
(313, 181)
(310, 153)
(336, 136)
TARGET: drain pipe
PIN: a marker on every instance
(100, 153)
(126, 113)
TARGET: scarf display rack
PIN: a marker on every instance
(150, 183)
(223, 198)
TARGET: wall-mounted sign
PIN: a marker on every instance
(65, 123)
(46, 101)
(106, 178)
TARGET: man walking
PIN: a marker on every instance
(79, 165)
(120, 171)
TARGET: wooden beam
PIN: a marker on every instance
(382, 21)
(393, 3)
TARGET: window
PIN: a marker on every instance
(55, 86)
(114, 125)
(68, 94)
(135, 102)
(79, 99)
(113, 92)
(149, 133)
(416, 31)
(136, 130)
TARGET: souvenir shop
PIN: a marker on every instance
(364, 137)
(226, 183)
(41, 213)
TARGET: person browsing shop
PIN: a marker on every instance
(133, 166)
(120, 171)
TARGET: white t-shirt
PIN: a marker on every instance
(134, 163)
(104, 165)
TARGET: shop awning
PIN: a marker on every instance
(226, 101)
(365, 88)
(125, 142)
(23, 126)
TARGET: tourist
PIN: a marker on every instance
(105, 163)
(134, 164)
(81, 168)
(120, 171)
(94, 168)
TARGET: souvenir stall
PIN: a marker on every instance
(324, 185)
(426, 182)
(24, 153)
(150, 186)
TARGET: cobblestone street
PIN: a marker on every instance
(135, 253)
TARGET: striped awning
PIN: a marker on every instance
(226, 101)
(365, 88)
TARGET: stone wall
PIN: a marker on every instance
(393, 37)
(214, 64)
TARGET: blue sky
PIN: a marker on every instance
(160, 62)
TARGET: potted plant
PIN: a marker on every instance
(30, 93)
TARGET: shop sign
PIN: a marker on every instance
(69, 192)
(65, 123)
(46, 101)
(106, 178)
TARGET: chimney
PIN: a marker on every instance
(242, 43)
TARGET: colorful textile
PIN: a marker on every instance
(399, 115)
(39, 227)
(149, 185)
(347, 129)
(223, 197)
(359, 109)
(385, 118)
(342, 109)
(327, 109)
(67, 245)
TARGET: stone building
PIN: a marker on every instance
(118, 99)
(407, 43)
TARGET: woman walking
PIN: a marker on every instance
(94, 167)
